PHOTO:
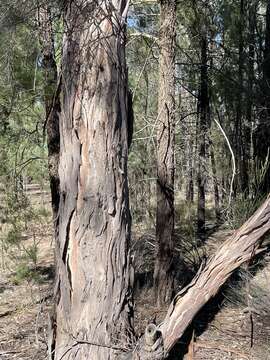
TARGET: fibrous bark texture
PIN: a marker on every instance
(94, 300)
(163, 273)
(52, 101)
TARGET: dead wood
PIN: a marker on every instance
(243, 245)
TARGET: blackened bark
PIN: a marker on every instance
(94, 307)
(204, 113)
(52, 102)
(163, 273)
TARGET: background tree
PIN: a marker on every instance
(52, 101)
(163, 274)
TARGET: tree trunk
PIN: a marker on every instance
(252, 13)
(94, 299)
(262, 133)
(215, 183)
(240, 146)
(52, 103)
(163, 273)
(52, 112)
(203, 127)
(190, 181)
(251, 59)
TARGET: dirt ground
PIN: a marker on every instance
(24, 309)
(235, 327)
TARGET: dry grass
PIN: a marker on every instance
(24, 307)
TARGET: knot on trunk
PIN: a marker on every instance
(151, 346)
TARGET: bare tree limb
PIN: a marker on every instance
(239, 248)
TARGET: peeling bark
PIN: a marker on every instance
(94, 307)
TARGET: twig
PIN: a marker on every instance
(233, 157)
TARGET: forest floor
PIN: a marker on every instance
(234, 326)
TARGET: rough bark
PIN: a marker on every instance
(52, 102)
(204, 113)
(163, 273)
(94, 299)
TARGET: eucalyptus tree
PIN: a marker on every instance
(94, 290)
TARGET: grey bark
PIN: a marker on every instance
(94, 298)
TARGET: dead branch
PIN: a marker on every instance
(239, 248)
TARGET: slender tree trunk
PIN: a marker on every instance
(52, 112)
(52, 102)
(163, 273)
(215, 184)
(202, 135)
(251, 59)
(190, 177)
(240, 127)
(94, 302)
(251, 80)
(262, 133)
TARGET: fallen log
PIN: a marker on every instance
(242, 246)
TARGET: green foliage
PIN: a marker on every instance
(242, 208)
(25, 272)
(13, 237)
(142, 55)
